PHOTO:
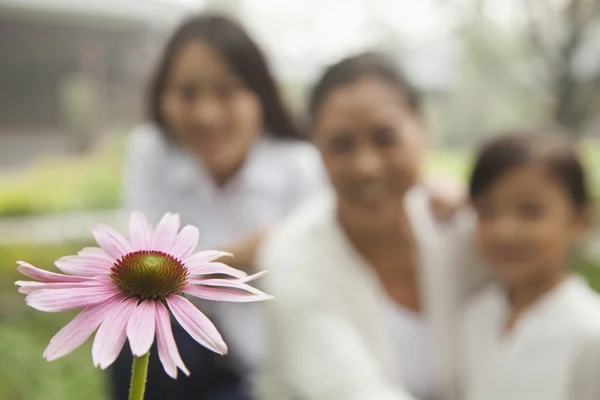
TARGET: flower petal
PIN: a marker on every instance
(27, 287)
(96, 252)
(84, 295)
(140, 328)
(227, 283)
(110, 338)
(199, 259)
(254, 276)
(83, 265)
(46, 276)
(140, 231)
(111, 241)
(76, 332)
(186, 242)
(167, 348)
(216, 268)
(166, 232)
(196, 324)
(221, 294)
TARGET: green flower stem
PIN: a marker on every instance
(138, 377)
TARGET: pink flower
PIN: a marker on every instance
(126, 290)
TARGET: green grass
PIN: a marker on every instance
(25, 333)
(89, 182)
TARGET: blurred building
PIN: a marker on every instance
(73, 69)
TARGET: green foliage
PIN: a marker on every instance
(458, 164)
(25, 333)
(24, 374)
(455, 164)
(590, 270)
(60, 185)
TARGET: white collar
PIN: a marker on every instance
(188, 174)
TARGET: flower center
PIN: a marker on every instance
(147, 274)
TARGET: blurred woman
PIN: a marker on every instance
(534, 334)
(222, 151)
(367, 283)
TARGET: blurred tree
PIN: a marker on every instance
(534, 61)
(497, 85)
(76, 97)
(565, 37)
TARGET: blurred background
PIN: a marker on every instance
(73, 75)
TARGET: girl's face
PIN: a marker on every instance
(371, 142)
(527, 224)
(210, 110)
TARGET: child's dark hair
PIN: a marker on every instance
(243, 56)
(555, 151)
(353, 68)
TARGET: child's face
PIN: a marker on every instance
(527, 224)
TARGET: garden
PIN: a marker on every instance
(91, 183)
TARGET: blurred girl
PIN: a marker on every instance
(536, 334)
(222, 151)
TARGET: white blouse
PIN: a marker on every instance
(331, 336)
(553, 352)
(411, 341)
(276, 177)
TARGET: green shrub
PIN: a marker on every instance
(61, 185)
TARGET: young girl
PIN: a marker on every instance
(535, 335)
(221, 150)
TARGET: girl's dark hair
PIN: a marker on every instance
(366, 64)
(555, 151)
(243, 56)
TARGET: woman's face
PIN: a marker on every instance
(527, 224)
(210, 110)
(372, 144)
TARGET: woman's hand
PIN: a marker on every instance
(447, 196)
(244, 251)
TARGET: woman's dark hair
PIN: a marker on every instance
(555, 151)
(353, 68)
(243, 56)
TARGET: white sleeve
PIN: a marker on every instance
(315, 353)
(585, 374)
(142, 181)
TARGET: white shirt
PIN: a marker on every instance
(276, 177)
(553, 352)
(411, 341)
(328, 327)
